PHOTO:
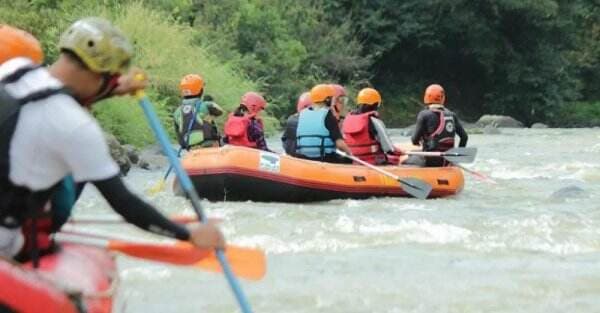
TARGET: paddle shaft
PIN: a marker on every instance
(476, 174)
(188, 187)
(184, 254)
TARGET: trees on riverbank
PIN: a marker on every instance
(537, 61)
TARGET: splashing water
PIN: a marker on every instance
(510, 247)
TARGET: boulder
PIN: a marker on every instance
(151, 158)
(132, 153)
(539, 125)
(499, 121)
(118, 153)
(569, 192)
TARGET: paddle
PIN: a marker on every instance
(181, 253)
(247, 263)
(413, 186)
(477, 174)
(188, 187)
(160, 186)
(455, 155)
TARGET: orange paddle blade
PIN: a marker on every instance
(181, 253)
(247, 263)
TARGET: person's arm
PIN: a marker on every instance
(257, 135)
(331, 124)
(377, 128)
(460, 131)
(136, 211)
(94, 164)
(419, 129)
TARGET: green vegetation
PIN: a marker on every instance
(536, 60)
(163, 48)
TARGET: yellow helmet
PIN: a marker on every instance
(321, 93)
(101, 46)
(368, 96)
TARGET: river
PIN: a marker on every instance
(510, 247)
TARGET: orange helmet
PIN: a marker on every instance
(368, 96)
(321, 93)
(434, 94)
(254, 102)
(191, 85)
(19, 43)
(303, 101)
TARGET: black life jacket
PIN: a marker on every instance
(17, 202)
(442, 139)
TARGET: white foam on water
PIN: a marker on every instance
(273, 245)
(147, 272)
(419, 231)
(529, 234)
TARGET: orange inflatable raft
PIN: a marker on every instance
(239, 174)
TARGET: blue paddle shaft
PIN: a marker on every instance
(188, 187)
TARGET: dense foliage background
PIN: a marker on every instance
(536, 60)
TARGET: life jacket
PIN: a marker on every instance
(17, 202)
(289, 136)
(192, 129)
(236, 130)
(313, 139)
(442, 139)
(360, 141)
(20, 206)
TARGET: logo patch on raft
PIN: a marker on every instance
(269, 162)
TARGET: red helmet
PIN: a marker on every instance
(254, 102)
(339, 100)
(303, 101)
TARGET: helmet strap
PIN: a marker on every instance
(109, 83)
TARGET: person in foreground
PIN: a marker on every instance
(365, 133)
(244, 127)
(436, 127)
(47, 133)
(288, 138)
(318, 133)
(194, 118)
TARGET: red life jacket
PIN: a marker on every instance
(358, 139)
(236, 130)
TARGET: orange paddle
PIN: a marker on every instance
(247, 263)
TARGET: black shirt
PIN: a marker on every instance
(333, 127)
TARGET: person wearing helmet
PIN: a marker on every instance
(19, 43)
(318, 133)
(339, 102)
(437, 126)
(244, 127)
(365, 133)
(289, 135)
(194, 118)
(47, 133)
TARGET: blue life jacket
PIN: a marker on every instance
(313, 139)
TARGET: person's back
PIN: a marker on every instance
(437, 126)
(288, 138)
(318, 134)
(365, 133)
(244, 127)
(47, 134)
(192, 118)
